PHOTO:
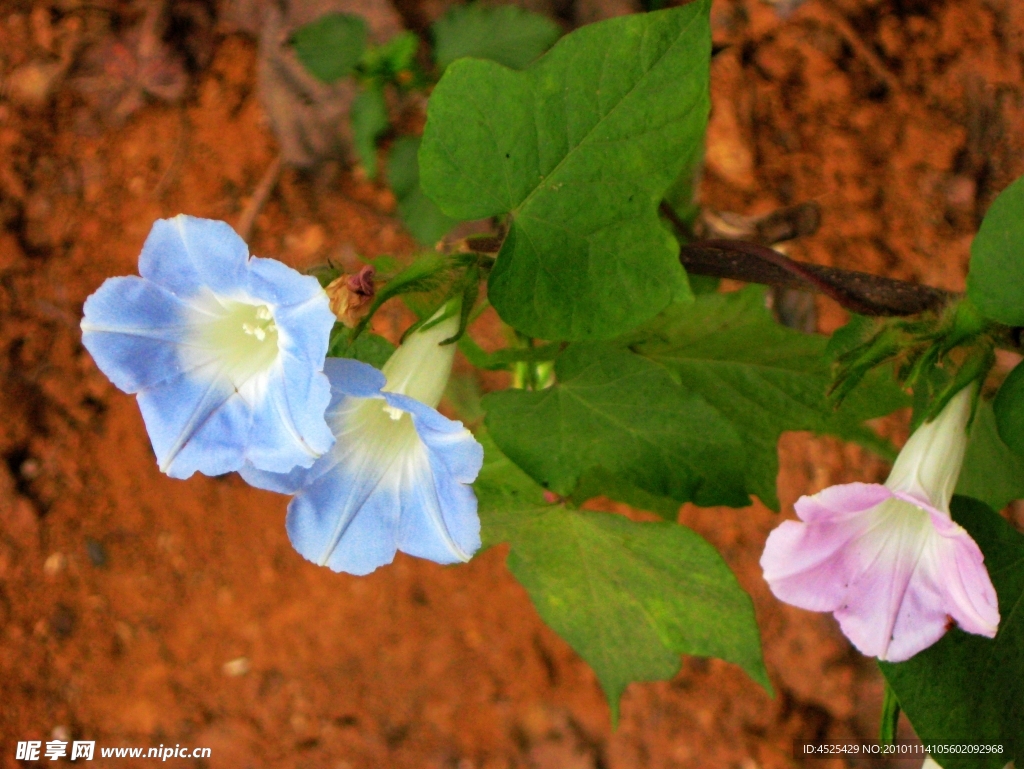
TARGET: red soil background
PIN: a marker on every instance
(124, 593)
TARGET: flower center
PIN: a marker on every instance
(393, 412)
(245, 338)
(263, 326)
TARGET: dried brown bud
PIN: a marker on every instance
(351, 296)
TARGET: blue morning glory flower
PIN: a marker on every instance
(399, 473)
(225, 352)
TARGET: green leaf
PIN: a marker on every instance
(616, 411)
(628, 597)
(385, 62)
(369, 117)
(763, 378)
(506, 358)
(331, 46)
(578, 150)
(967, 688)
(598, 482)
(995, 281)
(856, 332)
(463, 395)
(991, 472)
(505, 34)
(420, 214)
(367, 347)
(1009, 410)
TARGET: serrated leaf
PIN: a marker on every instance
(506, 34)
(966, 689)
(991, 472)
(614, 410)
(369, 116)
(628, 597)
(578, 149)
(995, 281)
(763, 378)
(331, 46)
(1009, 411)
(420, 214)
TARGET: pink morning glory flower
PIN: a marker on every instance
(888, 560)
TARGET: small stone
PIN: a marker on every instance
(236, 667)
(54, 564)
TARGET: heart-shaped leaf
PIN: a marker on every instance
(579, 150)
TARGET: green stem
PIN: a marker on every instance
(890, 716)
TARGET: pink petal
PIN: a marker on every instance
(885, 560)
(891, 567)
(844, 498)
(808, 564)
(950, 582)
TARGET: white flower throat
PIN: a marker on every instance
(243, 336)
(263, 326)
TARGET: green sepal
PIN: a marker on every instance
(425, 274)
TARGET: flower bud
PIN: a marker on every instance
(420, 367)
(351, 296)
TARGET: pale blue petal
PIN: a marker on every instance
(196, 423)
(348, 517)
(439, 510)
(151, 335)
(186, 255)
(134, 329)
(282, 483)
(454, 446)
(356, 507)
(439, 519)
(304, 330)
(276, 283)
(288, 421)
(352, 377)
(346, 377)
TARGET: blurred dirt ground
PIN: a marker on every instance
(137, 610)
